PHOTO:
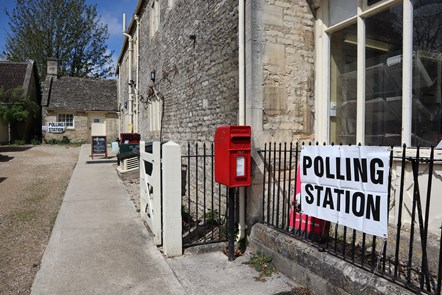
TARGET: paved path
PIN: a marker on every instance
(98, 244)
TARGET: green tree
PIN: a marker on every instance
(68, 30)
(16, 105)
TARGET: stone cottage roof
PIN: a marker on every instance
(13, 74)
(82, 94)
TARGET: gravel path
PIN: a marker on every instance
(33, 180)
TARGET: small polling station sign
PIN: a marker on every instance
(347, 185)
(56, 127)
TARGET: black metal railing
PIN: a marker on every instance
(411, 256)
(204, 201)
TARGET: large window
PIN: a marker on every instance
(383, 82)
(68, 120)
(426, 125)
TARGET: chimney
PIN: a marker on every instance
(52, 69)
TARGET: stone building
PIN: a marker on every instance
(78, 108)
(318, 70)
(183, 71)
(332, 71)
(21, 74)
(184, 57)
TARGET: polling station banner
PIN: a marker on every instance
(347, 185)
(56, 127)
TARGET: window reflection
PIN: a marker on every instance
(340, 10)
(343, 86)
(383, 73)
(427, 59)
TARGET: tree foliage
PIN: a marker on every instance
(68, 30)
(16, 105)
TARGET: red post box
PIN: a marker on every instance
(232, 155)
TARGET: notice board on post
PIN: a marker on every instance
(99, 146)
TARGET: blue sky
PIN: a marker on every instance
(111, 12)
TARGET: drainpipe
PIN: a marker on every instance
(241, 112)
(137, 103)
(119, 98)
(129, 37)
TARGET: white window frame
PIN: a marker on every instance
(171, 4)
(322, 67)
(155, 110)
(59, 115)
(154, 17)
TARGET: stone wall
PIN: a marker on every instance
(123, 91)
(78, 134)
(287, 64)
(194, 54)
(112, 127)
(280, 53)
(318, 270)
(196, 78)
(81, 132)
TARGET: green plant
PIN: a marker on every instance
(52, 141)
(262, 264)
(25, 216)
(35, 141)
(242, 245)
(16, 105)
(213, 217)
(18, 142)
(301, 291)
(65, 140)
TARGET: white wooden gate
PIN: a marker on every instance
(160, 194)
(150, 189)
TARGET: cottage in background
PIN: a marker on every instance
(78, 108)
(21, 74)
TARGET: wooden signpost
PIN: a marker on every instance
(99, 146)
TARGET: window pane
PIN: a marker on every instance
(383, 86)
(343, 86)
(340, 10)
(427, 73)
(68, 119)
(371, 2)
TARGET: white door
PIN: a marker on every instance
(98, 124)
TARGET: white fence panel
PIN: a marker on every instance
(150, 189)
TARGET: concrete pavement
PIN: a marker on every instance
(100, 246)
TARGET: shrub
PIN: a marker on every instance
(18, 142)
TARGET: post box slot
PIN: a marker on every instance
(240, 140)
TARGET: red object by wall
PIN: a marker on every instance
(232, 155)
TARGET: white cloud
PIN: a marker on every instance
(115, 27)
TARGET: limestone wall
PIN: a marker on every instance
(196, 78)
(81, 131)
(284, 31)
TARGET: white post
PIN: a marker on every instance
(407, 73)
(172, 236)
(143, 189)
(360, 103)
(156, 196)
